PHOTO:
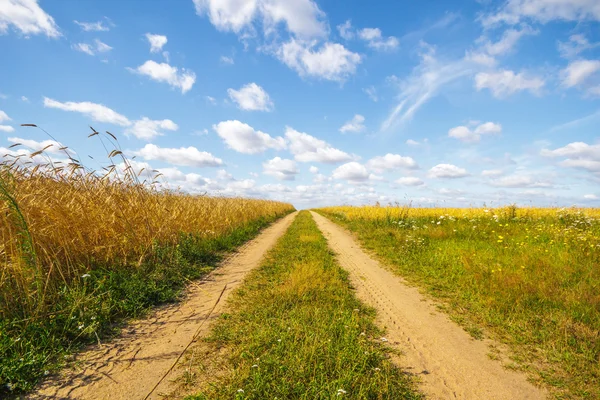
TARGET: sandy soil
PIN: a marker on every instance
(449, 362)
(140, 364)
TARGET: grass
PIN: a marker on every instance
(527, 277)
(296, 331)
(81, 250)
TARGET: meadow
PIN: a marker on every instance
(82, 250)
(527, 277)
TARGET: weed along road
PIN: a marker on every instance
(448, 361)
(142, 363)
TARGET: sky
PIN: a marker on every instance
(434, 103)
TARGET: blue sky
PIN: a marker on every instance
(317, 102)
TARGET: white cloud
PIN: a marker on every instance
(480, 58)
(307, 148)
(409, 181)
(514, 11)
(376, 41)
(356, 124)
(313, 169)
(4, 116)
(102, 47)
(147, 129)
(6, 128)
(577, 44)
(27, 17)
(331, 61)
(411, 142)
(372, 93)
(211, 100)
(391, 162)
(468, 135)
(302, 18)
(185, 156)
(163, 72)
(97, 112)
(352, 171)
(245, 139)
(591, 197)
(447, 171)
(97, 47)
(519, 181)
(93, 26)
(156, 42)
(84, 48)
(492, 172)
(422, 84)
(251, 97)
(578, 155)
(504, 83)
(345, 30)
(577, 72)
(49, 146)
(507, 42)
(282, 169)
(227, 60)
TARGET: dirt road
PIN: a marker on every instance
(140, 364)
(449, 362)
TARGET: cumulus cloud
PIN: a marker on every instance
(184, 156)
(147, 129)
(375, 39)
(27, 17)
(409, 181)
(307, 148)
(447, 171)
(578, 155)
(49, 146)
(6, 128)
(411, 142)
(355, 125)
(577, 72)
(468, 135)
(504, 83)
(156, 42)
(331, 61)
(282, 169)
(245, 139)
(391, 162)
(352, 171)
(313, 169)
(302, 18)
(98, 112)
(4, 116)
(163, 72)
(251, 97)
(226, 60)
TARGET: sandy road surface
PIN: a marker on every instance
(449, 362)
(138, 364)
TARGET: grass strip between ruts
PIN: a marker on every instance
(297, 331)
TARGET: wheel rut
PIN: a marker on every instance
(142, 362)
(449, 362)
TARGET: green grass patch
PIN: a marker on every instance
(296, 331)
(532, 283)
(94, 307)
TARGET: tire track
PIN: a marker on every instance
(448, 361)
(140, 363)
